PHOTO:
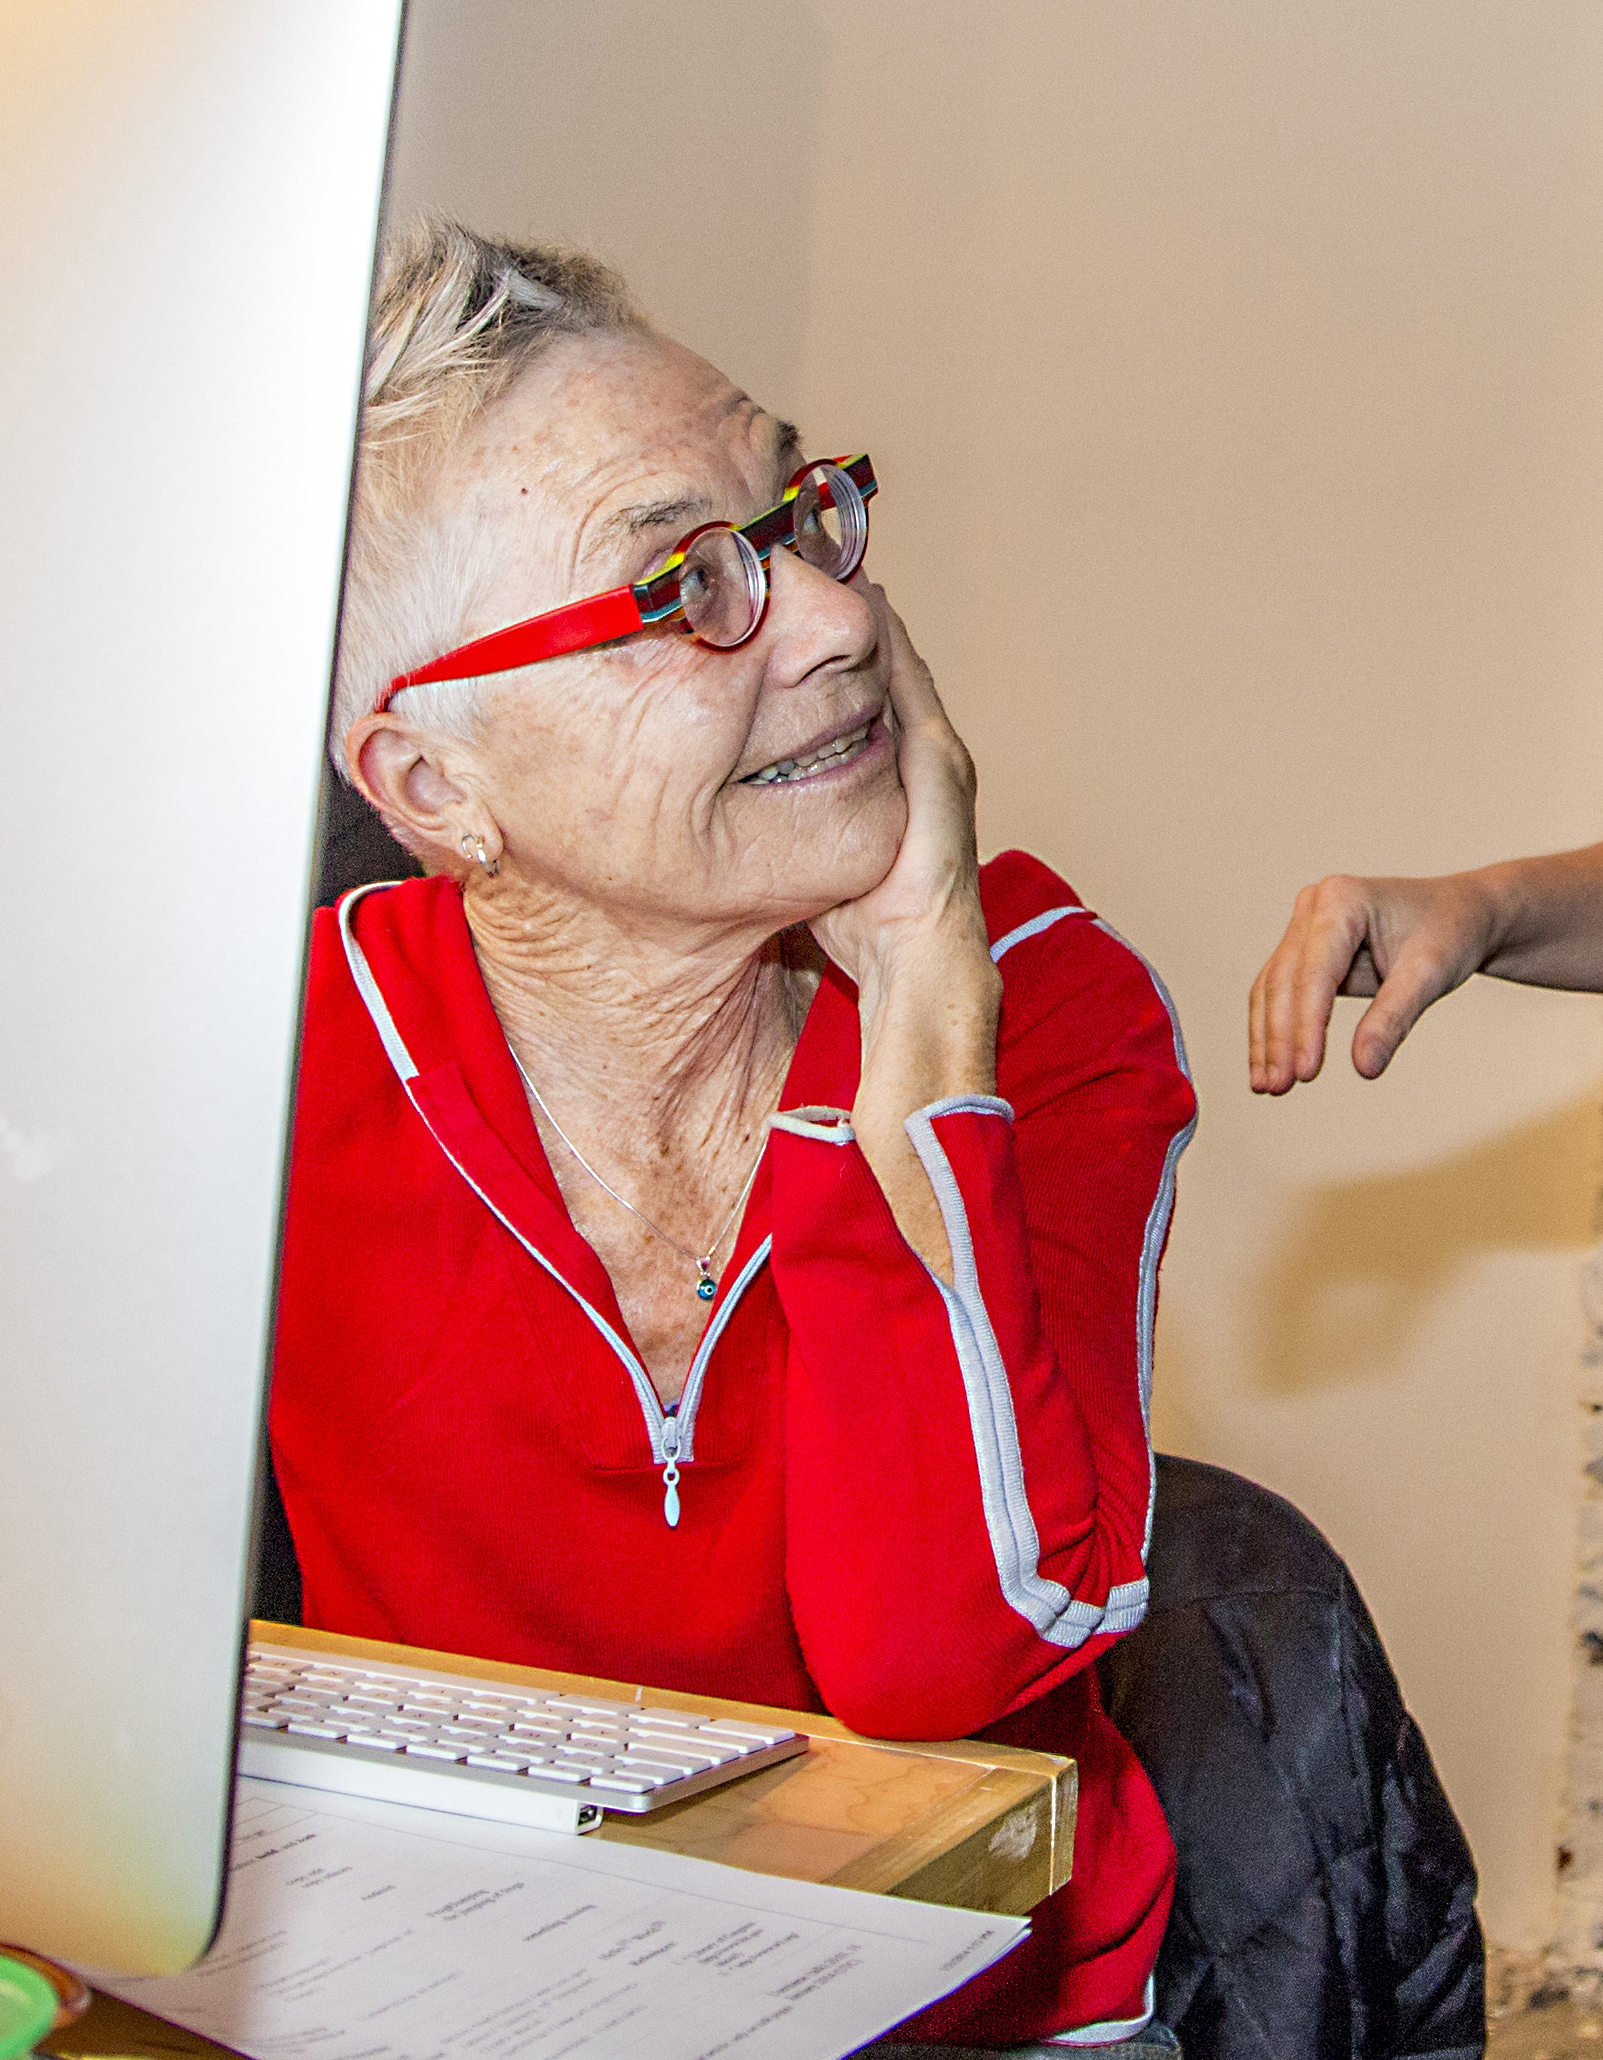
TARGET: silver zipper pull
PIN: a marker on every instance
(670, 1473)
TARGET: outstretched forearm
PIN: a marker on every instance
(1546, 918)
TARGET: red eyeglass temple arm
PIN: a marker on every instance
(576, 627)
(597, 620)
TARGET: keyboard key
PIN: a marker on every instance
(305, 1729)
(574, 1756)
(502, 1762)
(426, 1749)
(630, 1784)
(558, 1770)
(374, 1741)
(592, 1707)
(763, 1734)
(265, 1720)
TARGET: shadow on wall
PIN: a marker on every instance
(1363, 1259)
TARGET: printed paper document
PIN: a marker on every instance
(366, 1931)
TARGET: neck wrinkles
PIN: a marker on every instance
(648, 1048)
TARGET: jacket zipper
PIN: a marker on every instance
(672, 1437)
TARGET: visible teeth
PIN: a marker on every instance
(799, 768)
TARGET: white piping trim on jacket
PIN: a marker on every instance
(817, 1120)
(651, 1408)
(1157, 1229)
(1034, 927)
(1058, 1616)
(691, 1395)
(1114, 2029)
(368, 988)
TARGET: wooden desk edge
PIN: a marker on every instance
(1061, 1774)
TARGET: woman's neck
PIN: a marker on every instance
(660, 1058)
(656, 1046)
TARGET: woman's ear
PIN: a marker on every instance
(414, 786)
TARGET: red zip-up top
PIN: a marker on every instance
(923, 1509)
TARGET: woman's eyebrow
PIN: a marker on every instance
(787, 452)
(685, 509)
(657, 514)
(681, 511)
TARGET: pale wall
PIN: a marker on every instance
(1233, 373)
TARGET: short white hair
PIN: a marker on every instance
(456, 318)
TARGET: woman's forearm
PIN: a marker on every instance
(1546, 919)
(929, 1033)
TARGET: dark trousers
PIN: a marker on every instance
(1325, 1904)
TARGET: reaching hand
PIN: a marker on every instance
(1406, 942)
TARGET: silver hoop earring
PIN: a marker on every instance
(473, 847)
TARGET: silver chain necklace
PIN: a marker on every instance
(706, 1285)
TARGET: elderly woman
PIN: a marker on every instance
(725, 1217)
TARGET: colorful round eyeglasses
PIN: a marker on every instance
(714, 585)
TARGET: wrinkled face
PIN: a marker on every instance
(642, 775)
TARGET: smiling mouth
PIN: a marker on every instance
(785, 770)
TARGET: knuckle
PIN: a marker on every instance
(1333, 893)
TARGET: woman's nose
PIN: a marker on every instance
(813, 620)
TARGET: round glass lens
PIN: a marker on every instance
(831, 521)
(721, 588)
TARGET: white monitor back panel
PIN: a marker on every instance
(189, 191)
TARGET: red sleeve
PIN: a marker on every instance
(968, 1473)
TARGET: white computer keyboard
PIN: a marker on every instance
(482, 1748)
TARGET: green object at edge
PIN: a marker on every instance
(27, 2008)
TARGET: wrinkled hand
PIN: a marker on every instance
(930, 898)
(916, 945)
(1406, 942)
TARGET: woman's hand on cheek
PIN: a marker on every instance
(916, 945)
(930, 898)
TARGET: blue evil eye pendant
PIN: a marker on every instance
(706, 1287)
